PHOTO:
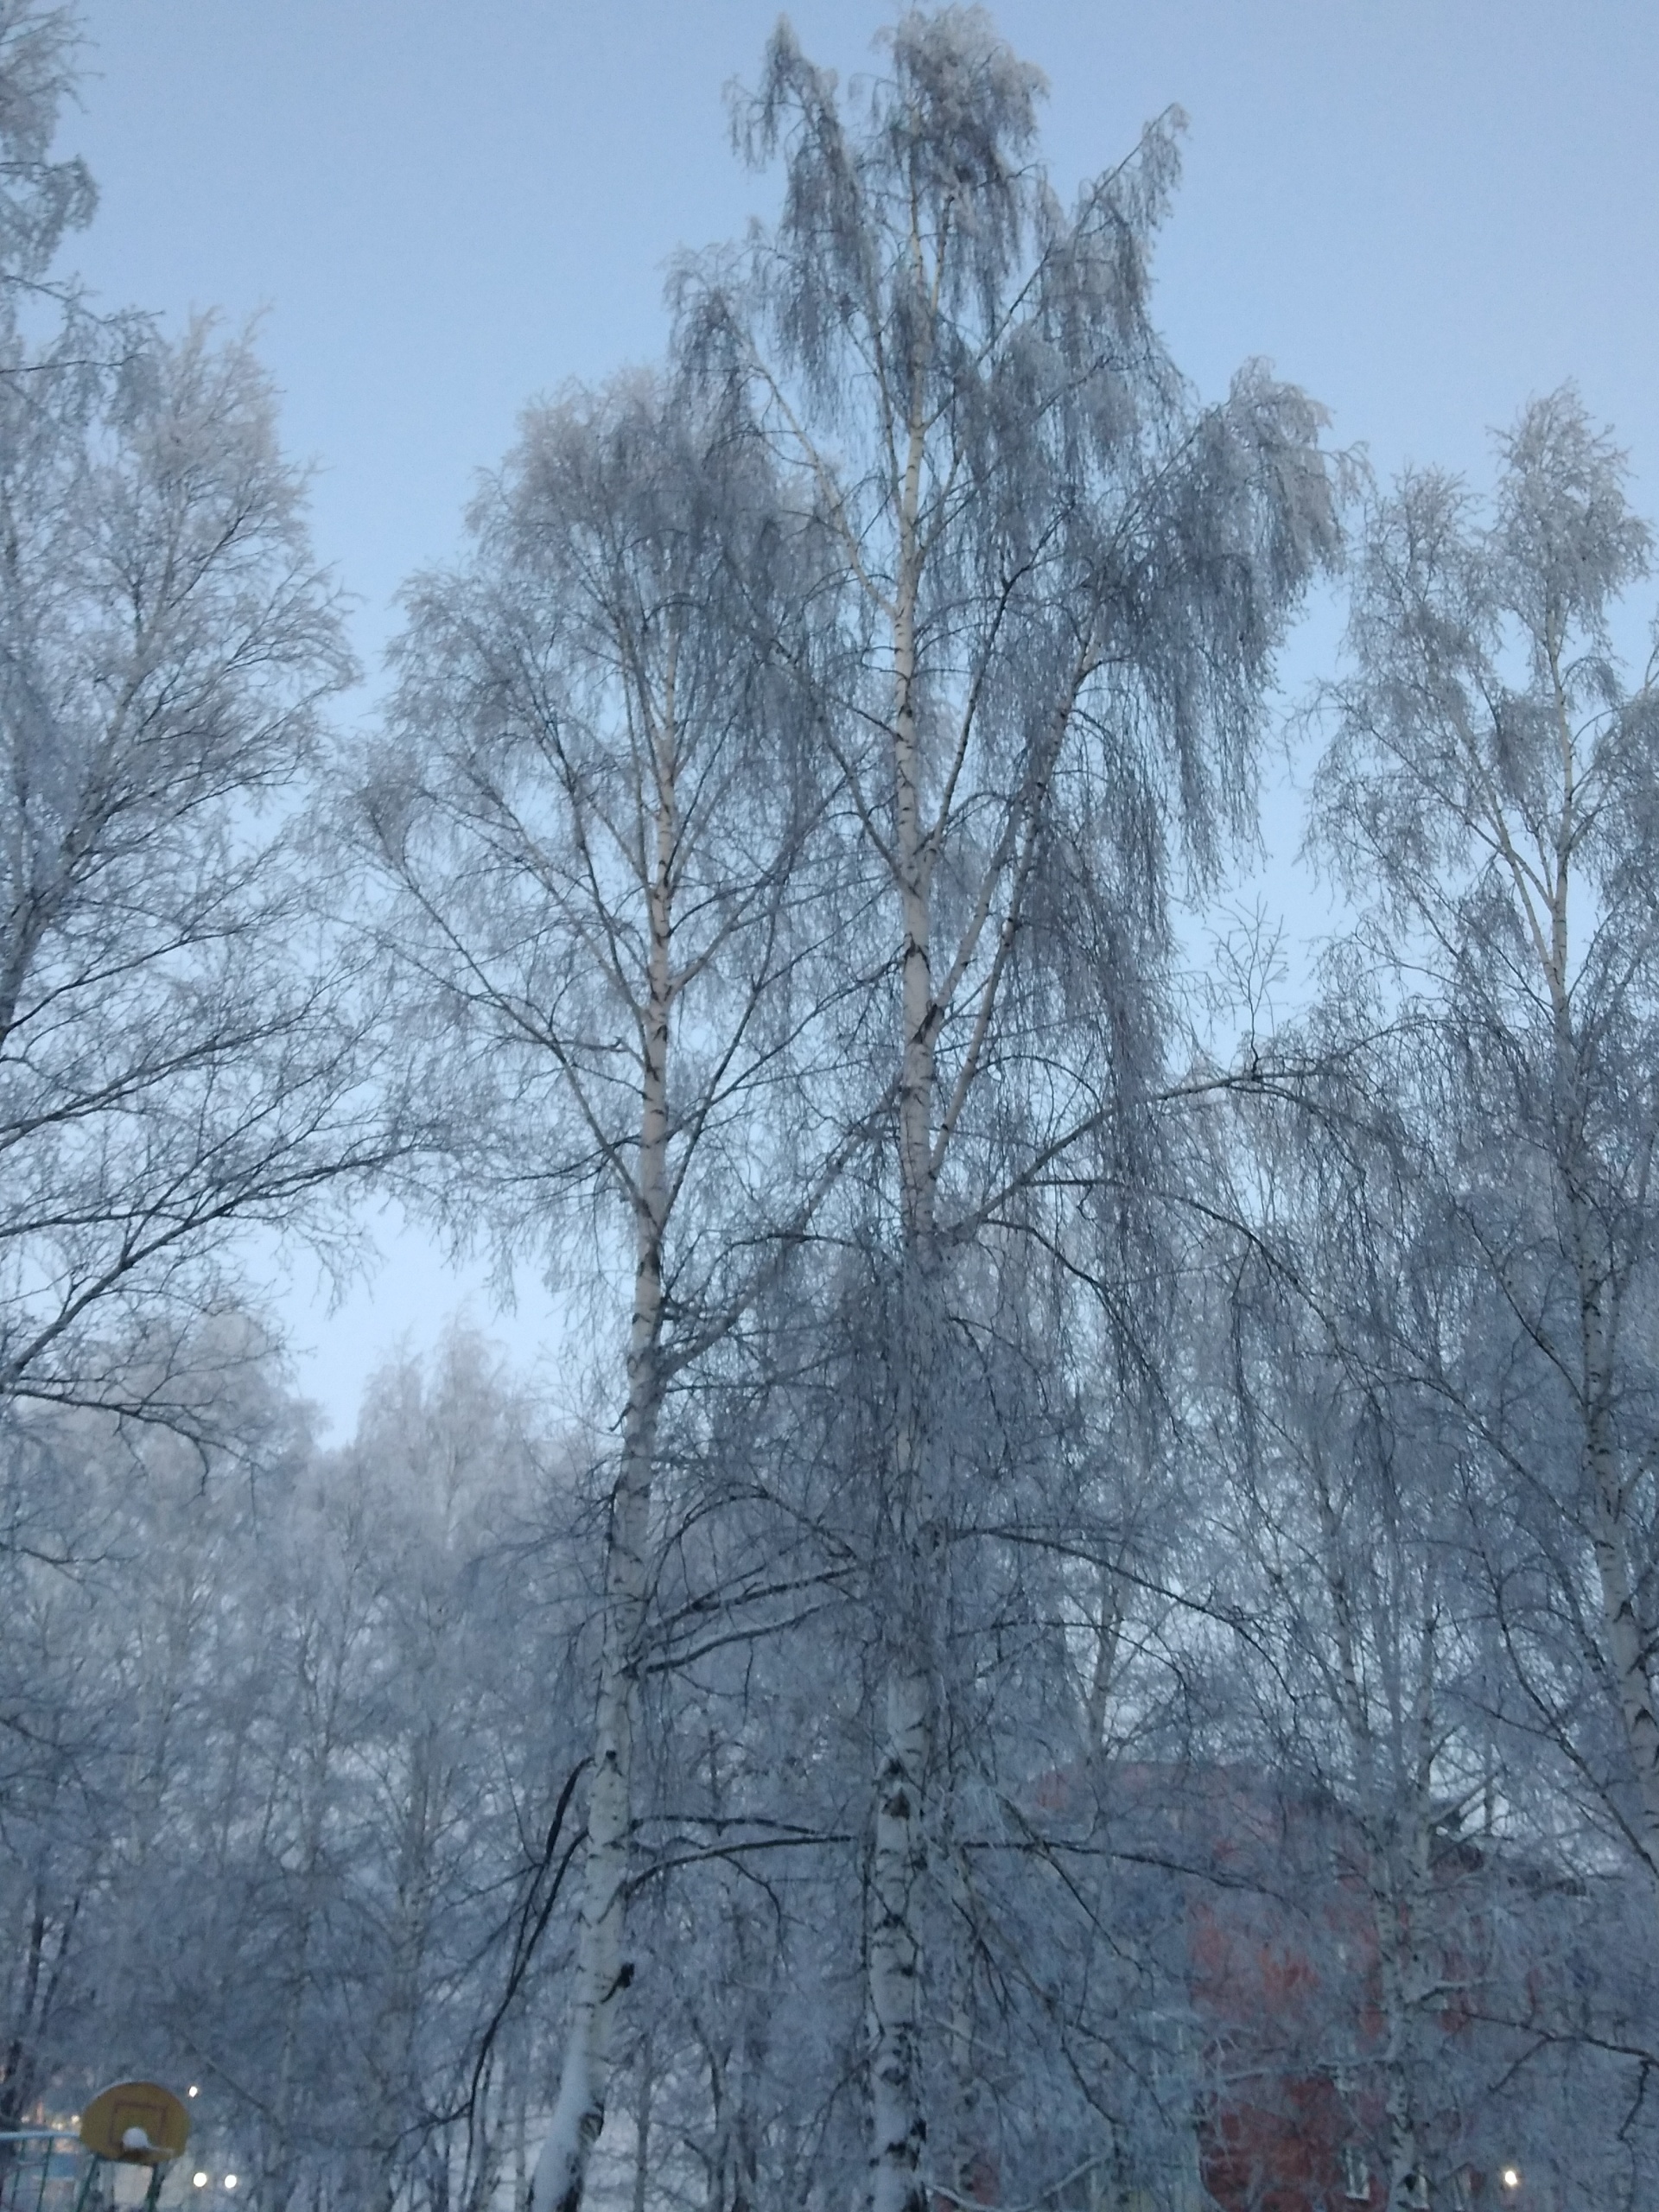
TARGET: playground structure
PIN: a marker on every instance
(68, 2167)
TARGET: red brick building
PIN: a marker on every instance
(1278, 1957)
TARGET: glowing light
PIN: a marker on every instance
(193, 2090)
(74, 2120)
(230, 2181)
(1511, 2176)
(200, 2180)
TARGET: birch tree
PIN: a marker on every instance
(1359, 1623)
(595, 814)
(1489, 790)
(1063, 580)
(178, 1049)
(41, 199)
(178, 1054)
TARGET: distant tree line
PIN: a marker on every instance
(1094, 1647)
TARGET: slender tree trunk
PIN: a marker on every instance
(519, 2105)
(972, 2169)
(1405, 2178)
(276, 2182)
(898, 1862)
(1400, 1994)
(1399, 1883)
(603, 1969)
(643, 2096)
(897, 1870)
(398, 2012)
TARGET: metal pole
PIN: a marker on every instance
(85, 2193)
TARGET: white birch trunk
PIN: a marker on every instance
(1401, 1986)
(603, 1970)
(926, 1119)
(899, 1865)
(899, 1868)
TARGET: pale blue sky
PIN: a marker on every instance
(1422, 209)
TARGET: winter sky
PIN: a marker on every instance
(1424, 211)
